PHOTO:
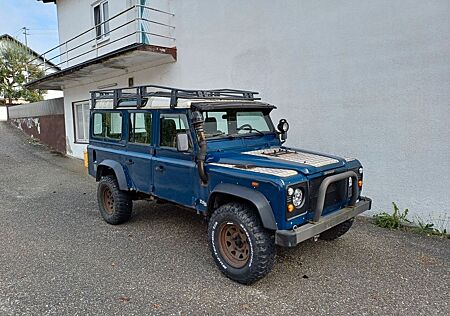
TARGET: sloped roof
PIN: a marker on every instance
(32, 52)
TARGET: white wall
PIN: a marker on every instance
(76, 16)
(368, 79)
(3, 113)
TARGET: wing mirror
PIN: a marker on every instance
(182, 142)
(283, 127)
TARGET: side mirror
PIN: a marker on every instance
(283, 127)
(182, 142)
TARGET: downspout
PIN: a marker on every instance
(197, 122)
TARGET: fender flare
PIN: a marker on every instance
(257, 198)
(118, 170)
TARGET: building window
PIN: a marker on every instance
(101, 16)
(81, 117)
(108, 125)
(140, 128)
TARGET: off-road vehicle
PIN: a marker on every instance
(217, 152)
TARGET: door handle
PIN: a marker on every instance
(159, 168)
(129, 162)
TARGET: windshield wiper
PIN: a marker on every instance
(251, 129)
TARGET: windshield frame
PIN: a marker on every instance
(232, 112)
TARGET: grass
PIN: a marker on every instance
(399, 220)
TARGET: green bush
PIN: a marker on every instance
(396, 220)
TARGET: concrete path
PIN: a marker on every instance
(58, 257)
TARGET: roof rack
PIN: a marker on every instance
(137, 97)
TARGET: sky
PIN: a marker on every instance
(40, 18)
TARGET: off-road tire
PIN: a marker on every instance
(260, 241)
(120, 209)
(337, 231)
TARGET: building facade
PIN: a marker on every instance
(368, 79)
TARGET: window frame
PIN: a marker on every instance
(104, 27)
(133, 142)
(106, 138)
(188, 130)
(76, 139)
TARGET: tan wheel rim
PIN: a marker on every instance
(233, 245)
(108, 201)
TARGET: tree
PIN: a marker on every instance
(15, 67)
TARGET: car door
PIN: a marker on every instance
(173, 170)
(140, 150)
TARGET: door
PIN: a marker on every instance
(173, 170)
(140, 150)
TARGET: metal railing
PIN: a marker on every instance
(135, 24)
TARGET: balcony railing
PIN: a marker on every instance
(138, 24)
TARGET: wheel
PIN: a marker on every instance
(337, 231)
(241, 247)
(115, 205)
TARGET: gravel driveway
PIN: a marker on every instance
(58, 257)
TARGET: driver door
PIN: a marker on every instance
(173, 171)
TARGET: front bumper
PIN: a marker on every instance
(290, 238)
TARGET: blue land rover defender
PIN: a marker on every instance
(218, 152)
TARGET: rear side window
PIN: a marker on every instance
(108, 125)
(140, 128)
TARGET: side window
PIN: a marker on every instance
(140, 128)
(98, 125)
(108, 125)
(170, 126)
(113, 123)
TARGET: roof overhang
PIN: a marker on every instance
(106, 66)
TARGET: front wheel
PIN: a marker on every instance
(241, 247)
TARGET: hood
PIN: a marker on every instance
(301, 161)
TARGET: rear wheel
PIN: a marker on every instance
(337, 231)
(115, 205)
(241, 247)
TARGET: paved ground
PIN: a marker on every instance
(58, 257)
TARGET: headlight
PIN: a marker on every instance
(290, 191)
(360, 170)
(298, 199)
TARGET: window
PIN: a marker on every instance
(81, 121)
(108, 125)
(140, 128)
(236, 123)
(101, 14)
(170, 126)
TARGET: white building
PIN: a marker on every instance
(48, 67)
(368, 79)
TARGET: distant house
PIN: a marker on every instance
(35, 58)
(358, 78)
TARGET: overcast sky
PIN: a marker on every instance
(40, 18)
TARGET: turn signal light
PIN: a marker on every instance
(291, 208)
(360, 183)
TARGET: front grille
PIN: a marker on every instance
(336, 192)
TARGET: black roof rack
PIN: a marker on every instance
(137, 97)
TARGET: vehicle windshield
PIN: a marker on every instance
(236, 123)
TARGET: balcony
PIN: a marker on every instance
(139, 35)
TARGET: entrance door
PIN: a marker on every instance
(140, 150)
(173, 170)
